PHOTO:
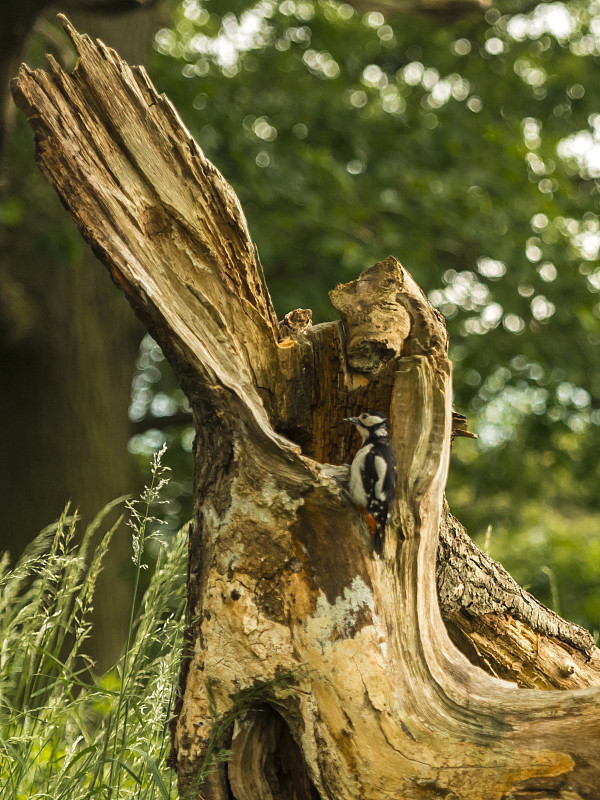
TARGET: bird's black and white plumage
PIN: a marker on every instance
(373, 473)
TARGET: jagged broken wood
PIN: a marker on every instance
(380, 702)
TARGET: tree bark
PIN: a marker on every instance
(327, 671)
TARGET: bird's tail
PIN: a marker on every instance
(379, 539)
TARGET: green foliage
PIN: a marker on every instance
(64, 731)
(67, 732)
(155, 395)
(470, 151)
(556, 556)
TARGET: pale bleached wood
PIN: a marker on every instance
(380, 702)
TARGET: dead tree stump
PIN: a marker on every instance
(328, 672)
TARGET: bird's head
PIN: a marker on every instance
(370, 423)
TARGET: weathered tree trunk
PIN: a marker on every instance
(327, 671)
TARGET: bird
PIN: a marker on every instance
(373, 473)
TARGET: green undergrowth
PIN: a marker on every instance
(66, 731)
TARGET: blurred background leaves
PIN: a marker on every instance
(467, 145)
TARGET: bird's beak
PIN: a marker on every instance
(353, 420)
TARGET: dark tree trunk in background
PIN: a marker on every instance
(68, 343)
(328, 672)
(16, 21)
(67, 386)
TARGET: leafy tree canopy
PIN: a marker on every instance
(472, 152)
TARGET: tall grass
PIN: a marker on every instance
(64, 731)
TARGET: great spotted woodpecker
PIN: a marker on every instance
(373, 473)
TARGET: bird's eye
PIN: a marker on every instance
(363, 417)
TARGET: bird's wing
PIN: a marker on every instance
(381, 468)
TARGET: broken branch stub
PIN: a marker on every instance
(369, 695)
(366, 307)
